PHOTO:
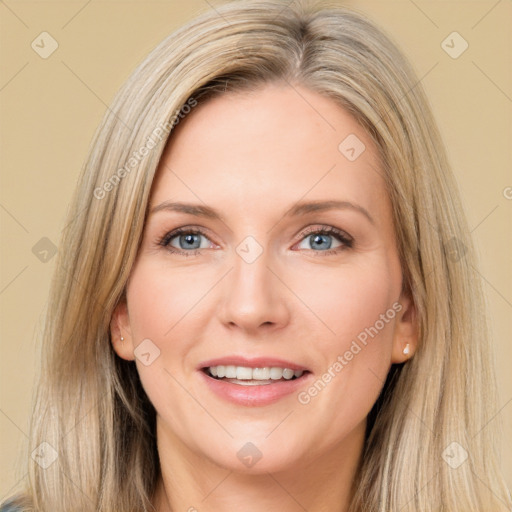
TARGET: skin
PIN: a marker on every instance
(252, 156)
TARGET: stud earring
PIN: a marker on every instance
(406, 351)
(122, 339)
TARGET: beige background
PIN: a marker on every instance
(51, 107)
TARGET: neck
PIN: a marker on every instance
(191, 483)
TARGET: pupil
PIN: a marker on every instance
(189, 239)
(319, 239)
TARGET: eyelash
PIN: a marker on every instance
(343, 237)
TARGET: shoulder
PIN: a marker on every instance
(9, 507)
(19, 502)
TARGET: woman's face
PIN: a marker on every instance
(285, 265)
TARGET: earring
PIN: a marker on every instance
(122, 339)
(406, 351)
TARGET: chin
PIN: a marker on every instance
(256, 457)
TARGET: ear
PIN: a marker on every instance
(406, 334)
(120, 328)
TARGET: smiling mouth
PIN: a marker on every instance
(248, 376)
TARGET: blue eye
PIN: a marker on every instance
(187, 241)
(322, 239)
(319, 241)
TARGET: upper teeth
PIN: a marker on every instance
(247, 373)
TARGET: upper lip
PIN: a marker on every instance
(252, 362)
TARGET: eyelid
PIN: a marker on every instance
(165, 240)
(324, 228)
(345, 238)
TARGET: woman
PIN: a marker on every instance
(264, 298)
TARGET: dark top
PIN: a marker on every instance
(8, 507)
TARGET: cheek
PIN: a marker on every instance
(155, 308)
(353, 304)
(166, 306)
(161, 301)
(360, 309)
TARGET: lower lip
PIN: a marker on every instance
(264, 394)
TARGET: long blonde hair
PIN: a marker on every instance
(434, 410)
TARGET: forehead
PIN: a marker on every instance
(272, 147)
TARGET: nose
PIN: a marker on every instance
(254, 297)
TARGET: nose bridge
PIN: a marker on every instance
(254, 296)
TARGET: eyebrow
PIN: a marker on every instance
(298, 209)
